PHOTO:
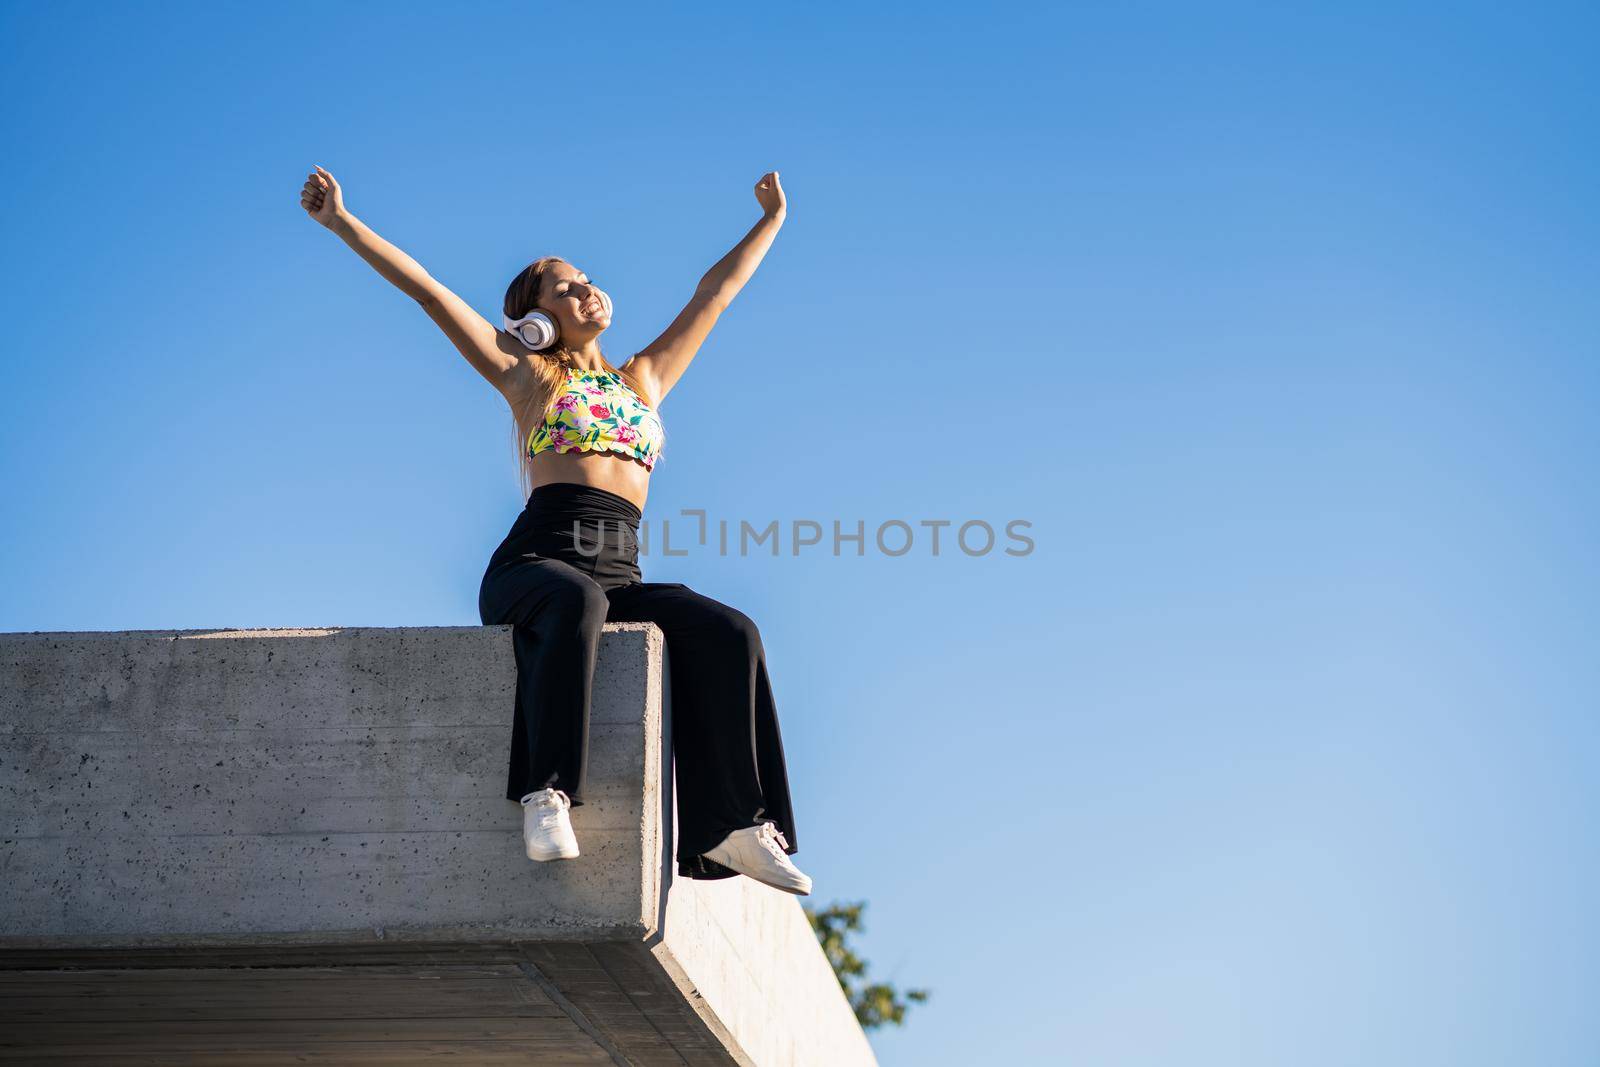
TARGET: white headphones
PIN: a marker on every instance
(537, 330)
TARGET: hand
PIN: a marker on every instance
(323, 199)
(769, 192)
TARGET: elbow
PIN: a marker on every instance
(717, 298)
(424, 290)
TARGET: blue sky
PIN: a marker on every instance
(1277, 325)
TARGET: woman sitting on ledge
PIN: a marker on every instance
(589, 434)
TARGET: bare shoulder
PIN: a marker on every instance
(519, 383)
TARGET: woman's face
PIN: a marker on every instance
(573, 301)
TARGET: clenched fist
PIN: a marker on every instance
(322, 198)
(769, 193)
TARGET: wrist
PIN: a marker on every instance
(778, 215)
(343, 224)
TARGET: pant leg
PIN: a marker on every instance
(727, 746)
(556, 612)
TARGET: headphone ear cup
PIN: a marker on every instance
(605, 297)
(536, 330)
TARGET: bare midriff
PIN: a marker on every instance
(612, 471)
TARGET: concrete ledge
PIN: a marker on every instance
(173, 799)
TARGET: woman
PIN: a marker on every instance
(588, 436)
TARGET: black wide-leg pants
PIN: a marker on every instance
(570, 564)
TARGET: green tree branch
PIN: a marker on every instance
(875, 1003)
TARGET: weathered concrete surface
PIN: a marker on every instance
(171, 795)
(195, 787)
(733, 939)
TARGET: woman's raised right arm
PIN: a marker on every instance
(482, 345)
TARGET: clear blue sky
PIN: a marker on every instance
(1278, 326)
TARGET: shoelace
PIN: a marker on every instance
(772, 840)
(551, 804)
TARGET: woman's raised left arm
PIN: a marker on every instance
(661, 363)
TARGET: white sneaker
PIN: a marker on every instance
(546, 826)
(758, 851)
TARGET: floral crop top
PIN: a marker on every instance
(598, 411)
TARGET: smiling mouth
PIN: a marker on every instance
(593, 308)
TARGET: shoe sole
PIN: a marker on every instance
(793, 890)
(543, 857)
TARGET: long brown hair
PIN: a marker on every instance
(549, 367)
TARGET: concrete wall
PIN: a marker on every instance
(183, 789)
(203, 786)
(747, 950)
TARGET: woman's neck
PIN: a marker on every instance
(586, 357)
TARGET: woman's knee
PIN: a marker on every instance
(695, 617)
(565, 603)
(737, 627)
(581, 602)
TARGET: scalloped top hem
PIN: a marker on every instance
(616, 448)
